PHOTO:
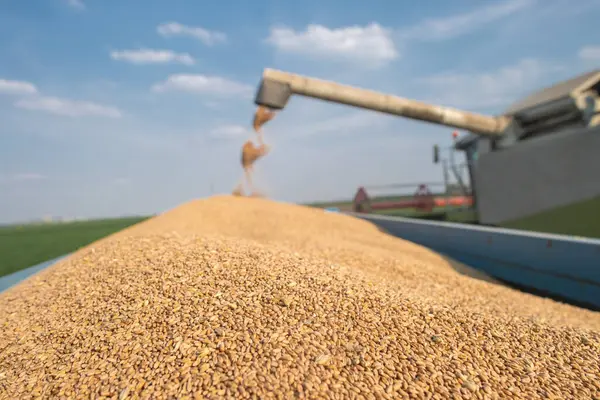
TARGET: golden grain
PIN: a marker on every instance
(233, 297)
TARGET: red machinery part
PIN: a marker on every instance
(423, 200)
(361, 202)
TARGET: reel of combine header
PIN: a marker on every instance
(361, 202)
(424, 199)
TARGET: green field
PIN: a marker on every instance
(346, 205)
(468, 216)
(578, 219)
(450, 214)
(23, 246)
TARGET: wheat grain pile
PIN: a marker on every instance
(234, 297)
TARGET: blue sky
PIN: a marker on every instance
(113, 107)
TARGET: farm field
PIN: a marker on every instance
(577, 219)
(467, 216)
(22, 246)
(347, 204)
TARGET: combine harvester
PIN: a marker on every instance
(540, 159)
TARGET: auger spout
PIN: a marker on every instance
(276, 87)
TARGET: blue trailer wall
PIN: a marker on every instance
(563, 266)
(11, 280)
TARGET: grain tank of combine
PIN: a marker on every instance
(542, 154)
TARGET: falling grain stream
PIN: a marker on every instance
(252, 153)
(235, 297)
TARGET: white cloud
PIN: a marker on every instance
(488, 89)
(20, 177)
(374, 45)
(54, 105)
(444, 28)
(203, 84)
(229, 132)
(371, 44)
(66, 107)
(590, 53)
(17, 87)
(150, 56)
(78, 4)
(206, 36)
